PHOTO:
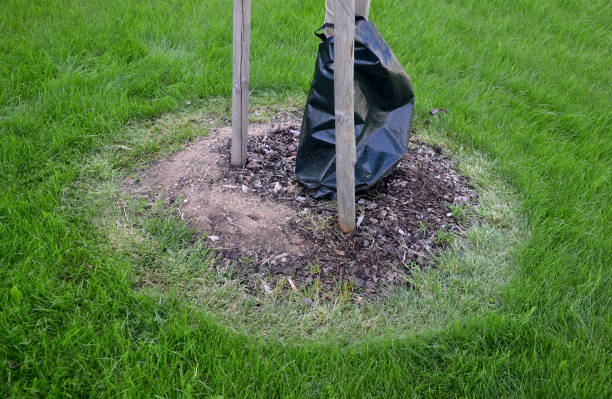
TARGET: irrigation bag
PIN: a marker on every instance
(384, 106)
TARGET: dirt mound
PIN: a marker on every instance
(264, 224)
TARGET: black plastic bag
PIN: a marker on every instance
(384, 106)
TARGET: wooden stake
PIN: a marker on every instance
(344, 58)
(240, 92)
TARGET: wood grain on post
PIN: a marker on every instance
(240, 92)
(344, 57)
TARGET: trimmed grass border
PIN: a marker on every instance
(169, 259)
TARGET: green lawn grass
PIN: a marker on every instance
(527, 84)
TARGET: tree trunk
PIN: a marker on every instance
(362, 7)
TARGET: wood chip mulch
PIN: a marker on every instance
(404, 221)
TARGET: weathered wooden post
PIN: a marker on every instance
(240, 92)
(341, 13)
(344, 93)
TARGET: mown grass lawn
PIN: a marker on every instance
(527, 83)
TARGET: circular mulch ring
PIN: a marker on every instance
(265, 225)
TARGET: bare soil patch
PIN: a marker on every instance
(264, 225)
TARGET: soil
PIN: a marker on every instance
(265, 225)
